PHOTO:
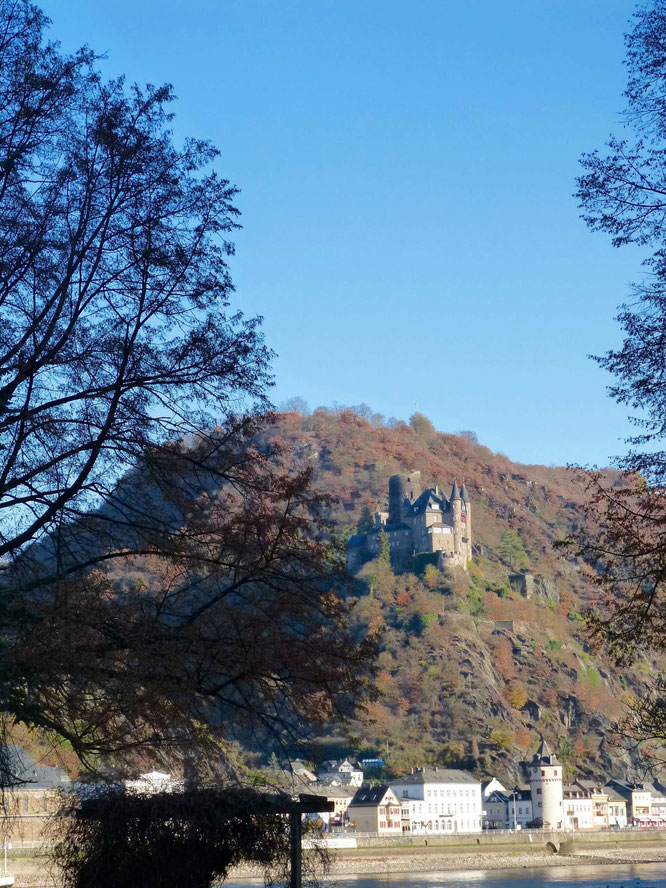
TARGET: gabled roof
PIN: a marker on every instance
(23, 771)
(517, 795)
(613, 794)
(625, 787)
(333, 792)
(439, 775)
(429, 498)
(498, 796)
(370, 796)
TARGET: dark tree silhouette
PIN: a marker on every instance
(623, 193)
(190, 837)
(167, 581)
(115, 328)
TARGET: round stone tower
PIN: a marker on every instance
(546, 788)
(396, 498)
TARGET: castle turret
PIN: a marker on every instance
(456, 507)
(546, 788)
(396, 498)
(466, 529)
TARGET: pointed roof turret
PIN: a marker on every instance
(544, 755)
(463, 493)
(455, 495)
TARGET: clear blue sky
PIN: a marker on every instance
(406, 169)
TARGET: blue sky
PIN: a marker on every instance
(406, 170)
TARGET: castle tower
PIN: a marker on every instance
(412, 485)
(467, 522)
(396, 498)
(456, 506)
(546, 787)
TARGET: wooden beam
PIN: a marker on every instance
(296, 826)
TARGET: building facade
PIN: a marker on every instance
(508, 809)
(439, 800)
(419, 521)
(375, 809)
(31, 798)
(340, 773)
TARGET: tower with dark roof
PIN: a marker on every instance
(546, 787)
(425, 522)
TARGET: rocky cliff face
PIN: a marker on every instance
(476, 666)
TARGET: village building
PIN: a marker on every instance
(578, 807)
(488, 787)
(418, 521)
(30, 799)
(340, 773)
(638, 798)
(508, 810)
(340, 797)
(658, 807)
(617, 807)
(439, 800)
(375, 809)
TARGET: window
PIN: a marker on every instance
(539, 791)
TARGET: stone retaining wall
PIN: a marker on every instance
(524, 838)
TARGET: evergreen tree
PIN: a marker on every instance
(512, 551)
(384, 547)
(366, 522)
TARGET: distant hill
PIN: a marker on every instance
(475, 666)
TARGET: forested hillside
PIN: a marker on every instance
(475, 666)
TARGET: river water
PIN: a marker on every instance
(639, 875)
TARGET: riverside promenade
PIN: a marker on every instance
(498, 850)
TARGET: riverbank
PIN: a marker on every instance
(383, 861)
(32, 872)
(433, 860)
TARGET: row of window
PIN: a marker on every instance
(453, 808)
(432, 793)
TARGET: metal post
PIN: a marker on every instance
(296, 831)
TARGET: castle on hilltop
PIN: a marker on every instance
(419, 521)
